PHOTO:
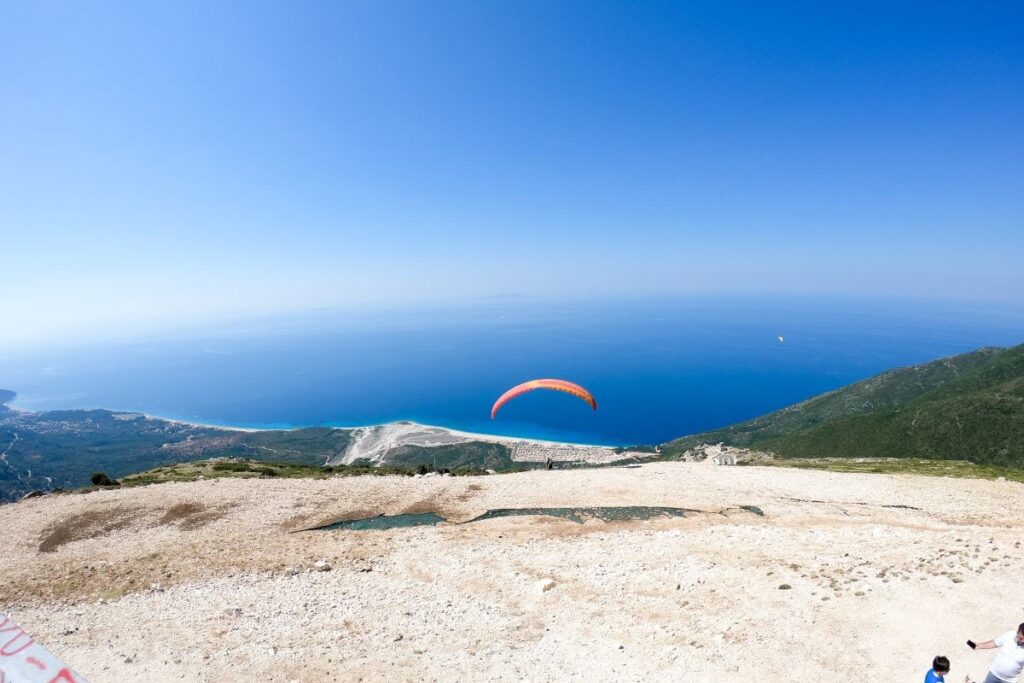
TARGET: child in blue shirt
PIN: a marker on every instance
(937, 674)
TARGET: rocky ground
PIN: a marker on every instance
(860, 576)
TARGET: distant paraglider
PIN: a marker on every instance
(553, 384)
(781, 340)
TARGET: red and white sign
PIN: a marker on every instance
(23, 660)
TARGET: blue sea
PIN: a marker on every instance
(659, 368)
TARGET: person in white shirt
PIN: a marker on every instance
(1009, 660)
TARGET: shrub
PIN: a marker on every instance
(101, 479)
(232, 467)
(469, 472)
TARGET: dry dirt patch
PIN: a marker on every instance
(432, 503)
(191, 516)
(91, 524)
(469, 493)
(181, 511)
(313, 521)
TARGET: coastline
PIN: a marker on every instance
(467, 435)
(457, 433)
(375, 442)
(205, 425)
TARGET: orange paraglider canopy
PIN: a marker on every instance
(553, 384)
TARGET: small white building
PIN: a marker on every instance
(724, 459)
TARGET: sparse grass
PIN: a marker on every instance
(250, 469)
(112, 594)
(231, 466)
(242, 468)
(219, 469)
(932, 468)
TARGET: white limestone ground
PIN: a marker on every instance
(874, 591)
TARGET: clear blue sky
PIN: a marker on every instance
(169, 159)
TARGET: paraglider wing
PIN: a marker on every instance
(553, 384)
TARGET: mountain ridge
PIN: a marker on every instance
(969, 406)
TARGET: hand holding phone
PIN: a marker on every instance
(971, 644)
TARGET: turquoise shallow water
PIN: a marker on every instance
(659, 368)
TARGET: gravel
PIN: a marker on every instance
(223, 587)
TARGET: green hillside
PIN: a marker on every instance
(476, 454)
(62, 448)
(967, 407)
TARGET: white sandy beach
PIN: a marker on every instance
(374, 442)
(395, 430)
